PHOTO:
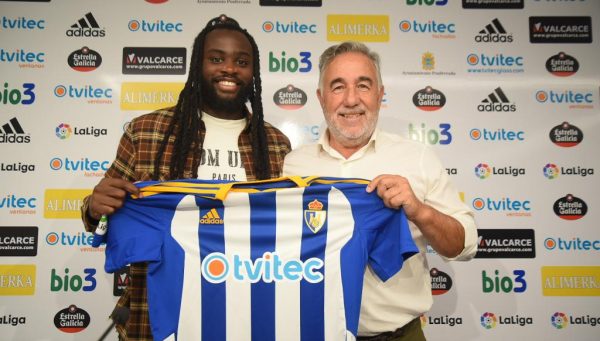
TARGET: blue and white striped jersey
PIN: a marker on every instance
(279, 259)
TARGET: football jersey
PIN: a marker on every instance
(279, 259)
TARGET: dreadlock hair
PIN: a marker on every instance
(187, 116)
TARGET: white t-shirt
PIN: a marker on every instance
(221, 158)
(389, 305)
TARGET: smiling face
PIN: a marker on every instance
(350, 97)
(227, 72)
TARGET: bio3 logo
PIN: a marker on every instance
(217, 268)
(506, 284)
(23, 96)
(73, 282)
(286, 63)
(442, 136)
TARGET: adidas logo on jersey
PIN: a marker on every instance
(494, 32)
(497, 102)
(12, 132)
(211, 218)
(86, 27)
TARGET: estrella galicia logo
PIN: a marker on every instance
(560, 29)
(494, 32)
(429, 99)
(441, 282)
(570, 207)
(566, 135)
(562, 65)
(71, 319)
(84, 60)
(290, 98)
(87, 26)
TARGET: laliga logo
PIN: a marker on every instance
(63, 131)
(551, 171)
(488, 320)
(482, 171)
(217, 268)
(559, 320)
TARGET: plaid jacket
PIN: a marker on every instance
(135, 162)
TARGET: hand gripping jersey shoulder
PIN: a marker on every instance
(266, 260)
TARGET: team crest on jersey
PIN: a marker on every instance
(211, 218)
(315, 216)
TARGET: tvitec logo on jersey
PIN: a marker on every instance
(25, 59)
(437, 29)
(496, 135)
(85, 165)
(574, 99)
(481, 63)
(91, 94)
(291, 27)
(217, 268)
(512, 207)
(162, 26)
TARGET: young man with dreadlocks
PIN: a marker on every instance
(209, 134)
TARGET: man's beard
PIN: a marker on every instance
(211, 99)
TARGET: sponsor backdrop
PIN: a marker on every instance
(506, 91)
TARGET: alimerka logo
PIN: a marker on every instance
(367, 28)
